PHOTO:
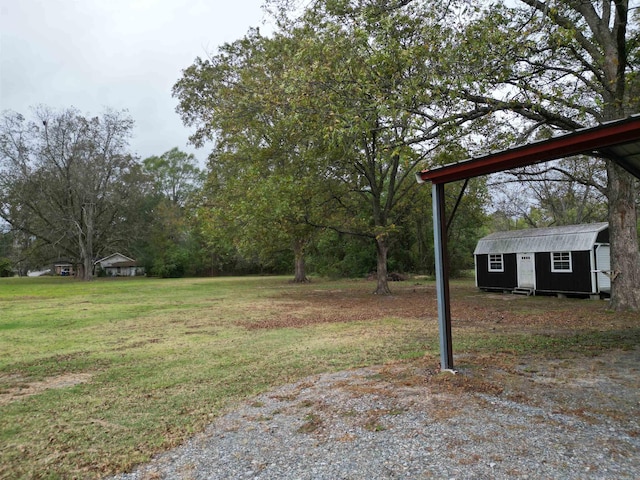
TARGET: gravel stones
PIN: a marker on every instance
(358, 424)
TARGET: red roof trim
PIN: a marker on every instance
(582, 141)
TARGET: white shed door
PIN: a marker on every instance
(603, 262)
(526, 270)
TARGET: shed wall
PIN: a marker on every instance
(603, 237)
(498, 280)
(577, 281)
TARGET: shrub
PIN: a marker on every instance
(6, 268)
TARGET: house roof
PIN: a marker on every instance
(117, 254)
(553, 239)
(618, 141)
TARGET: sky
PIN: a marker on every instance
(119, 54)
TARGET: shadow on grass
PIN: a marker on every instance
(585, 342)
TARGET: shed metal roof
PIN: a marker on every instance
(553, 239)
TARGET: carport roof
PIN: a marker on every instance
(618, 140)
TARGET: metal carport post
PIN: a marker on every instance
(442, 276)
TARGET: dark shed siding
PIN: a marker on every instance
(507, 279)
(603, 236)
(578, 281)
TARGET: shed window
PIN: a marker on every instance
(561, 262)
(496, 262)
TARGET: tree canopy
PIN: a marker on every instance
(170, 246)
(343, 102)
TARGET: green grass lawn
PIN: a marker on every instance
(96, 377)
(148, 362)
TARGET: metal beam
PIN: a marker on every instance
(455, 208)
(442, 277)
(600, 140)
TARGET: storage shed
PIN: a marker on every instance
(572, 259)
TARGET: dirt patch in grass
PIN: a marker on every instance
(470, 308)
(15, 387)
(299, 309)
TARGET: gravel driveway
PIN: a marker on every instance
(575, 418)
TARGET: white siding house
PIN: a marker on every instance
(119, 265)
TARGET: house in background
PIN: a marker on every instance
(118, 265)
(63, 268)
(571, 259)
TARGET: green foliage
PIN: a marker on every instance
(6, 268)
(171, 246)
(262, 179)
(175, 175)
(467, 224)
(172, 264)
(336, 255)
(171, 250)
(323, 125)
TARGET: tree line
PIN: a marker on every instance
(70, 190)
(318, 128)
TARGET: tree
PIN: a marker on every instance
(175, 175)
(345, 95)
(66, 179)
(559, 65)
(379, 76)
(566, 192)
(171, 248)
(371, 68)
(264, 215)
(262, 183)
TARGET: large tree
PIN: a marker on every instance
(350, 91)
(563, 65)
(171, 247)
(373, 68)
(66, 179)
(261, 182)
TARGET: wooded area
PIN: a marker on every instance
(315, 132)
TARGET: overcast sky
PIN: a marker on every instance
(123, 54)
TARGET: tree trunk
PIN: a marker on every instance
(382, 248)
(298, 251)
(87, 269)
(84, 267)
(85, 239)
(625, 259)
